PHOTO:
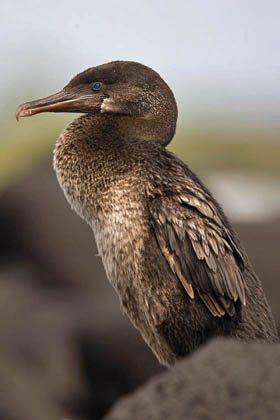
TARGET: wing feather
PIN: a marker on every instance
(199, 249)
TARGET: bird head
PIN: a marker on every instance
(121, 88)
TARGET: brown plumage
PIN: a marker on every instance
(179, 269)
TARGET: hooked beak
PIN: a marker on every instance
(62, 102)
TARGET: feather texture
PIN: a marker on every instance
(199, 250)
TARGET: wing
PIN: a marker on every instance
(199, 248)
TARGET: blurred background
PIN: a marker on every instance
(66, 350)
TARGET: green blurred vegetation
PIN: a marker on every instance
(25, 143)
(214, 150)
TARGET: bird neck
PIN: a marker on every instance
(112, 127)
(90, 158)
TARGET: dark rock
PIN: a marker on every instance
(225, 379)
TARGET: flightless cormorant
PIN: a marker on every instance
(178, 267)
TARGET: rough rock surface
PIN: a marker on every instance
(225, 379)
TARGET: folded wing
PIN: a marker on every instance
(199, 249)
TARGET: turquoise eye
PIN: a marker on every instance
(96, 86)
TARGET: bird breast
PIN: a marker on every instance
(120, 235)
(114, 207)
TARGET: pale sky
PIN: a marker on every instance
(220, 57)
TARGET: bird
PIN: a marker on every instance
(177, 265)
